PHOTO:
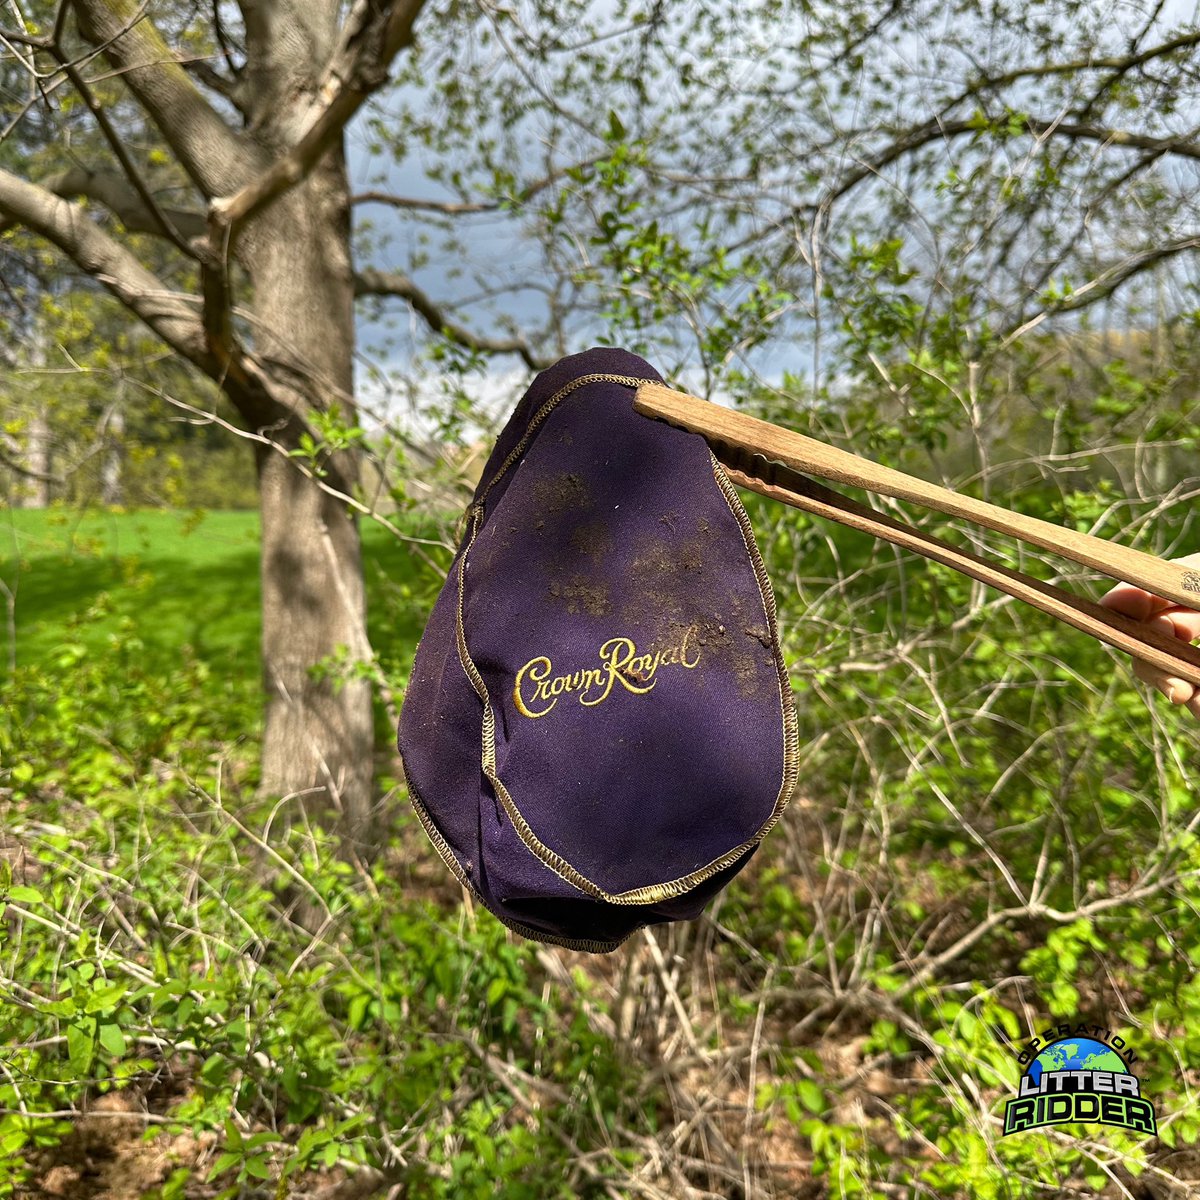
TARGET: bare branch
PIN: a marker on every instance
(41, 476)
(413, 204)
(940, 130)
(231, 89)
(119, 197)
(159, 222)
(274, 444)
(1104, 284)
(211, 152)
(1179, 145)
(172, 315)
(455, 208)
(13, 447)
(151, 216)
(1107, 282)
(931, 964)
(1117, 64)
(369, 282)
(359, 67)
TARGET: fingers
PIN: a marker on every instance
(1178, 691)
(1186, 622)
(1138, 603)
(1133, 601)
(1183, 624)
(1167, 617)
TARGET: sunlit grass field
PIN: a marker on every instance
(183, 578)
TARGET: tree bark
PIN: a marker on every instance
(112, 489)
(318, 735)
(37, 439)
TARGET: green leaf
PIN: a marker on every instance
(258, 1168)
(357, 1012)
(112, 1039)
(811, 1096)
(214, 1072)
(105, 996)
(81, 1041)
(223, 1163)
(25, 895)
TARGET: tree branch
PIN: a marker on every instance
(1033, 911)
(1054, 262)
(13, 447)
(28, 472)
(211, 152)
(451, 207)
(120, 198)
(172, 315)
(1103, 285)
(1180, 145)
(1118, 64)
(455, 208)
(936, 130)
(1108, 281)
(374, 36)
(159, 221)
(370, 282)
(151, 216)
(232, 90)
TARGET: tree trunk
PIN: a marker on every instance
(316, 736)
(112, 490)
(297, 254)
(37, 441)
(296, 317)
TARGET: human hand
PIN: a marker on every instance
(1167, 617)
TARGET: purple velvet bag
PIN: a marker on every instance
(598, 730)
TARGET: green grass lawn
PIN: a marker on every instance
(183, 578)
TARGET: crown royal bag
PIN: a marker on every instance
(598, 730)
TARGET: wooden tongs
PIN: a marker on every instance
(770, 460)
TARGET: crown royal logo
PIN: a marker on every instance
(537, 689)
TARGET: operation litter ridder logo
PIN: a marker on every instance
(1078, 1073)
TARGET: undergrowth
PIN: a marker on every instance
(994, 830)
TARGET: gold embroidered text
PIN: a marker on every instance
(537, 688)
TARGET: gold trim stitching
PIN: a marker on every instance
(546, 409)
(447, 856)
(791, 737)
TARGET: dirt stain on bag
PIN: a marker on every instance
(560, 494)
(734, 646)
(591, 538)
(731, 642)
(578, 595)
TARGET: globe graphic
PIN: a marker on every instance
(1075, 1054)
